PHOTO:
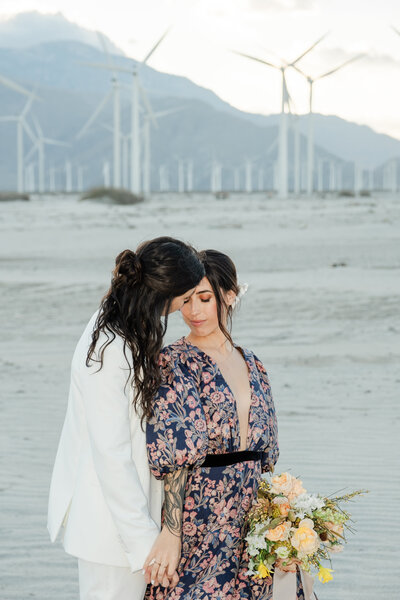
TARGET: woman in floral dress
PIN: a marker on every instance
(212, 440)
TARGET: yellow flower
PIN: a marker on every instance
(263, 571)
(324, 574)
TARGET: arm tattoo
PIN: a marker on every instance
(174, 488)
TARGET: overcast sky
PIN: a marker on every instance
(204, 31)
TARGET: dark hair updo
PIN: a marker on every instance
(143, 285)
(220, 271)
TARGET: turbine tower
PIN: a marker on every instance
(114, 93)
(22, 126)
(310, 136)
(39, 145)
(135, 107)
(151, 117)
(285, 108)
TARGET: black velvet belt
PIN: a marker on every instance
(231, 458)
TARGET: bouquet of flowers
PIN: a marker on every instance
(289, 525)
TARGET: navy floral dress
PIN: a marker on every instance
(195, 415)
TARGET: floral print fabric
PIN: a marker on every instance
(194, 415)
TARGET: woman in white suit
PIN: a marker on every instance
(102, 495)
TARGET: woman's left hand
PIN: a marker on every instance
(162, 562)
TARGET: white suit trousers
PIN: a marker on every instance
(104, 582)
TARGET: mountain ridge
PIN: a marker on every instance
(70, 91)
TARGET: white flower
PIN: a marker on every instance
(305, 504)
(282, 552)
(255, 544)
(256, 539)
(242, 290)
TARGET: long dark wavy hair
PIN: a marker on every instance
(220, 271)
(143, 285)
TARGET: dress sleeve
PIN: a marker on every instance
(177, 432)
(272, 454)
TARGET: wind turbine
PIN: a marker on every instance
(260, 180)
(39, 145)
(236, 179)
(248, 176)
(135, 105)
(189, 175)
(22, 126)
(216, 176)
(296, 134)
(68, 176)
(81, 172)
(149, 118)
(125, 160)
(181, 176)
(114, 93)
(164, 178)
(310, 139)
(248, 171)
(285, 108)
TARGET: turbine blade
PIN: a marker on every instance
(39, 130)
(14, 86)
(164, 113)
(31, 151)
(103, 44)
(94, 115)
(309, 49)
(28, 130)
(396, 30)
(28, 105)
(287, 96)
(296, 68)
(55, 142)
(8, 119)
(147, 104)
(107, 127)
(260, 60)
(347, 62)
(154, 48)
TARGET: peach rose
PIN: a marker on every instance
(305, 539)
(297, 489)
(283, 505)
(287, 485)
(279, 533)
(281, 484)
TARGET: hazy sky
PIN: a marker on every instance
(204, 31)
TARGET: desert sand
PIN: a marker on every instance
(322, 312)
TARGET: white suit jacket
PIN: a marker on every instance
(102, 492)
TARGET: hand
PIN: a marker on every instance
(290, 566)
(161, 564)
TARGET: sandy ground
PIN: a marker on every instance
(328, 335)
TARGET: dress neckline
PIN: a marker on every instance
(218, 370)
